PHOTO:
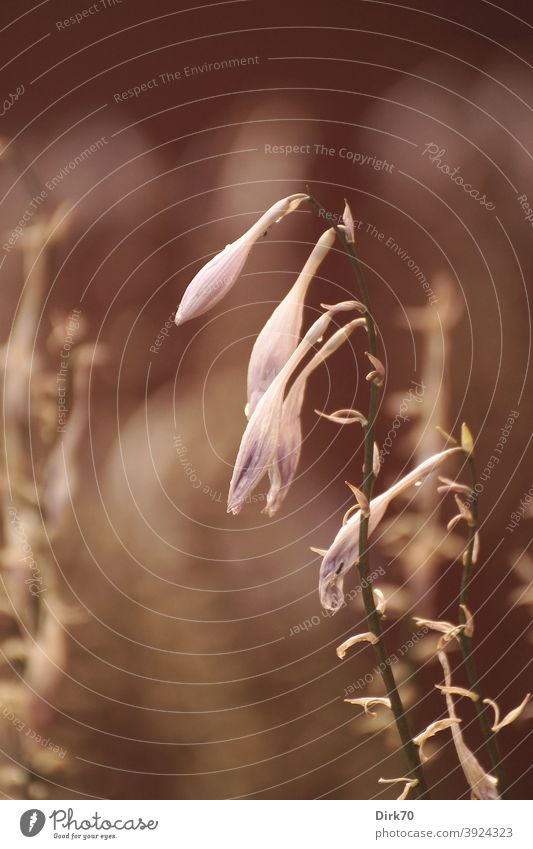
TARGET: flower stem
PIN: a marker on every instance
(411, 752)
(466, 641)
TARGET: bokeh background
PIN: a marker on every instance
(178, 652)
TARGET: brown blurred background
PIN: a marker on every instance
(183, 677)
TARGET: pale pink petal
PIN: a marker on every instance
(217, 277)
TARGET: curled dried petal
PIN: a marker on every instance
(432, 729)
(458, 691)
(409, 784)
(469, 621)
(367, 637)
(453, 486)
(280, 335)
(498, 723)
(344, 417)
(260, 439)
(344, 305)
(369, 702)
(482, 784)
(349, 513)
(448, 631)
(217, 277)
(347, 220)
(287, 454)
(378, 374)
(355, 305)
(453, 522)
(379, 601)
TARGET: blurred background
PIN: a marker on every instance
(152, 645)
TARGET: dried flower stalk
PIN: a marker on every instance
(373, 617)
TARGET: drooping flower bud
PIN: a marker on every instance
(216, 278)
(290, 436)
(344, 551)
(281, 334)
(261, 437)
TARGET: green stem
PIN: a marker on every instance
(466, 641)
(411, 752)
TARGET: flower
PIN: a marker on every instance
(482, 784)
(509, 717)
(409, 784)
(287, 455)
(260, 439)
(344, 551)
(378, 372)
(432, 729)
(367, 637)
(368, 703)
(280, 335)
(217, 277)
(380, 601)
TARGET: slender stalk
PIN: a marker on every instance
(466, 641)
(411, 752)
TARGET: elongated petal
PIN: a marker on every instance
(281, 334)
(217, 277)
(260, 440)
(435, 625)
(409, 784)
(432, 729)
(482, 784)
(376, 461)
(509, 717)
(367, 637)
(344, 551)
(348, 222)
(287, 455)
(448, 631)
(360, 497)
(465, 511)
(475, 549)
(368, 703)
